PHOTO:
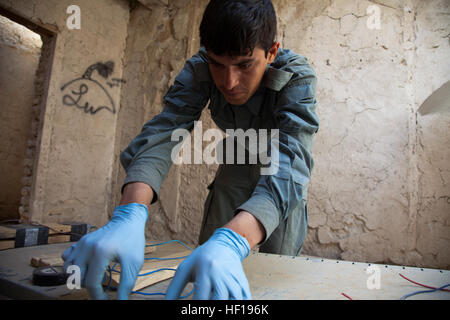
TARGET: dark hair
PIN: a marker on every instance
(236, 27)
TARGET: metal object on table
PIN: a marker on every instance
(49, 276)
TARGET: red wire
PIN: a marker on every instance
(346, 296)
(420, 284)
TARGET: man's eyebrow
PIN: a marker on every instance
(245, 61)
(211, 60)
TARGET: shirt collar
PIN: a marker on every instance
(276, 79)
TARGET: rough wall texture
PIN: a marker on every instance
(380, 187)
(432, 69)
(19, 57)
(359, 192)
(379, 192)
(73, 172)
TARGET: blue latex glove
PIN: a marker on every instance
(216, 269)
(121, 240)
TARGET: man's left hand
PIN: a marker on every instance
(215, 268)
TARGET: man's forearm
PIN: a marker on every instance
(247, 226)
(137, 192)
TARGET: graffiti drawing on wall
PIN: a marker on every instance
(80, 90)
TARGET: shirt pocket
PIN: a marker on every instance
(297, 176)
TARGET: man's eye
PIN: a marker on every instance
(245, 66)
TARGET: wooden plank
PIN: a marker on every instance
(55, 229)
(58, 238)
(56, 260)
(58, 228)
(150, 266)
(46, 261)
(7, 233)
(7, 236)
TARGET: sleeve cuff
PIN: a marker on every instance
(148, 176)
(264, 210)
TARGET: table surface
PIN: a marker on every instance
(271, 277)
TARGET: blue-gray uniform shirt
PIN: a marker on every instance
(285, 101)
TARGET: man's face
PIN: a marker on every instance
(238, 77)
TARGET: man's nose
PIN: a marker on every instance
(231, 78)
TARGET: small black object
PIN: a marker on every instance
(78, 230)
(49, 276)
(31, 236)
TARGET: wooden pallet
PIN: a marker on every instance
(25, 235)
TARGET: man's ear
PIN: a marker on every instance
(271, 55)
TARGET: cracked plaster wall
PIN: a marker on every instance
(379, 191)
(380, 187)
(432, 228)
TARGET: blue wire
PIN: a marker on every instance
(143, 274)
(111, 270)
(139, 292)
(149, 293)
(166, 258)
(161, 243)
(160, 293)
(161, 269)
(424, 291)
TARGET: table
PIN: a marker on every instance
(271, 277)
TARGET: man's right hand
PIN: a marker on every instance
(121, 240)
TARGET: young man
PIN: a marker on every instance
(251, 84)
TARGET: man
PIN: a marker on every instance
(250, 83)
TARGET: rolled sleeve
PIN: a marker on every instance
(276, 196)
(147, 158)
